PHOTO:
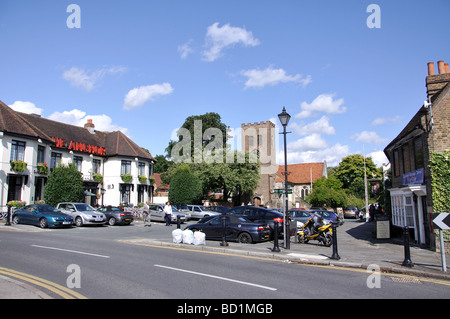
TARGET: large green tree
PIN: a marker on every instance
(351, 173)
(65, 184)
(185, 187)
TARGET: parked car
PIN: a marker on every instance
(115, 215)
(260, 215)
(298, 215)
(329, 216)
(82, 213)
(238, 229)
(41, 215)
(219, 209)
(156, 212)
(184, 209)
(198, 211)
(351, 212)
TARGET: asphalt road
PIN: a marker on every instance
(97, 263)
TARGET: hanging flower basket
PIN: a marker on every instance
(42, 168)
(142, 178)
(18, 166)
(98, 177)
(126, 178)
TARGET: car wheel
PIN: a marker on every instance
(43, 223)
(244, 238)
(78, 221)
(112, 221)
(16, 220)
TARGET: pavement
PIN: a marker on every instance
(357, 247)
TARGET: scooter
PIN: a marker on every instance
(324, 234)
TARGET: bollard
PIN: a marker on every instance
(8, 216)
(275, 248)
(407, 262)
(224, 230)
(178, 221)
(335, 246)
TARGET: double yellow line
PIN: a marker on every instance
(59, 290)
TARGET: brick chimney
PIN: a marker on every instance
(89, 126)
(435, 82)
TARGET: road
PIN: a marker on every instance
(99, 262)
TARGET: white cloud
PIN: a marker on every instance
(322, 103)
(79, 118)
(368, 138)
(139, 96)
(219, 38)
(333, 155)
(26, 107)
(321, 126)
(270, 76)
(86, 80)
(379, 158)
(384, 120)
(310, 142)
(185, 49)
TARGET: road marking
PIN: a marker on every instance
(62, 291)
(217, 277)
(71, 251)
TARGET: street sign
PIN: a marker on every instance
(281, 191)
(442, 221)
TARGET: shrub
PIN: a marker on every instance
(185, 188)
(65, 184)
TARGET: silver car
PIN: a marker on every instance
(156, 212)
(83, 214)
(198, 211)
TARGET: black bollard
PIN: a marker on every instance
(407, 262)
(8, 216)
(335, 246)
(224, 230)
(178, 221)
(275, 248)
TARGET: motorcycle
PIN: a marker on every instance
(305, 233)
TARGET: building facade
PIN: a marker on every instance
(409, 155)
(114, 169)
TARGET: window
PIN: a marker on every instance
(141, 168)
(396, 164)
(78, 160)
(125, 167)
(96, 166)
(406, 159)
(17, 151)
(55, 159)
(418, 153)
(41, 154)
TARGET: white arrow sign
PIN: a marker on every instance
(442, 221)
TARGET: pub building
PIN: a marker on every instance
(114, 169)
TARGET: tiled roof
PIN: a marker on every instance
(301, 173)
(35, 126)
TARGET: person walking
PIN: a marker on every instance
(168, 214)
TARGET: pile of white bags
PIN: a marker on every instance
(188, 237)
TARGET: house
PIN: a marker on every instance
(301, 178)
(114, 169)
(409, 156)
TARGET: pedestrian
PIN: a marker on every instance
(372, 212)
(168, 214)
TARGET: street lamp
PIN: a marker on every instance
(284, 119)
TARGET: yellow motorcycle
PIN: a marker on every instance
(306, 232)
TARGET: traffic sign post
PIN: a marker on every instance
(442, 222)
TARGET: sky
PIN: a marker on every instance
(350, 73)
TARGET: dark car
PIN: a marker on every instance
(41, 215)
(328, 216)
(297, 215)
(115, 215)
(238, 229)
(219, 209)
(260, 215)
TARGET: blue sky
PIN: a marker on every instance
(144, 66)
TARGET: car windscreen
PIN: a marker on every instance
(84, 207)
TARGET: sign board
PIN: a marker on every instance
(281, 191)
(383, 229)
(442, 221)
(340, 212)
(413, 178)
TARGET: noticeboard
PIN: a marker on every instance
(340, 212)
(383, 229)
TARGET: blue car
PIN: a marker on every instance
(41, 215)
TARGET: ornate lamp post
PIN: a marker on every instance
(284, 119)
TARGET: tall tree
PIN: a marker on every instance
(64, 184)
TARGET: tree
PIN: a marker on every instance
(328, 192)
(351, 173)
(65, 184)
(185, 187)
